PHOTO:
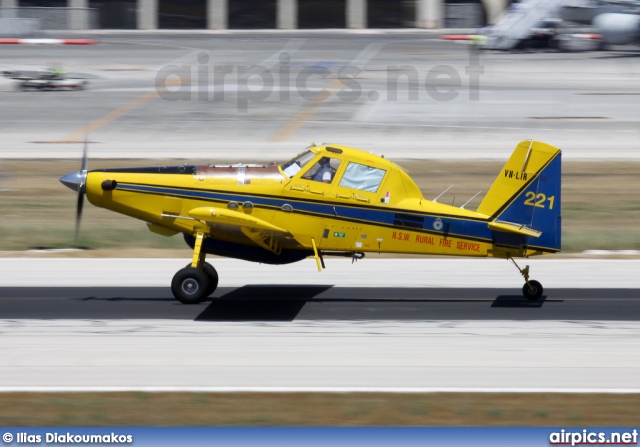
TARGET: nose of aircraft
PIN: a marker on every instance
(74, 180)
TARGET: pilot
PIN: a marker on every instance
(325, 173)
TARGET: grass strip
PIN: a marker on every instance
(318, 409)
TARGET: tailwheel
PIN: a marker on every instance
(532, 290)
(190, 285)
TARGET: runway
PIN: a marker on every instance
(369, 290)
(410, 356)
(288, 303)
(284, 332)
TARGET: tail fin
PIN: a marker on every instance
(525, 198)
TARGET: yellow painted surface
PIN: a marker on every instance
(273, 227)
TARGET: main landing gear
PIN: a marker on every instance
(198, 280)
(532, 289)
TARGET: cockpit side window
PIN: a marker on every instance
(292, 167)
(364, 178)
(323, 171)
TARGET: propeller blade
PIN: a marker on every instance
(79, 206)
(81, 188)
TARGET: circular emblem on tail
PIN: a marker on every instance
(437, 224)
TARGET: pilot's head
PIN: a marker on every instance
(324, 161)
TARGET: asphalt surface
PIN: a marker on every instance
(265, 96)
(345, 330)
(290, 303)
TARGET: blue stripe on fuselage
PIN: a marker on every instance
(451, 226)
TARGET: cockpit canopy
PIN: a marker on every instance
(356, 176)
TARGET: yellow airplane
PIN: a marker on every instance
(330, 200)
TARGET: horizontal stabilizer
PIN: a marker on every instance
(511, 227)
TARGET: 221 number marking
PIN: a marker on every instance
(538, 200)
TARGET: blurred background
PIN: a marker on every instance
(311, 14)
(446, 88)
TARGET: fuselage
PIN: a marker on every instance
(370, 205)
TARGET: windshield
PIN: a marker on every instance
(292, 167)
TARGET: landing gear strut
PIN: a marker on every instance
(198, 280)
(532, 289)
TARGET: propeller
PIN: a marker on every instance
(77, 182)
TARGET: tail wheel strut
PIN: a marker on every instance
(532, 289)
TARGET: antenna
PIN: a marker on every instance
(436, 199)
(526, 158)
(465, 203)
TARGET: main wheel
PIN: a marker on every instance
(212, 274)
(190, 285)
(534, 292)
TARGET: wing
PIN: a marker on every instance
(259, 231)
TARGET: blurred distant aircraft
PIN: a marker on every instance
(330, 201)
(540, 24)
(54, 78)
(621, 27)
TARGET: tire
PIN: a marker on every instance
(536, 293)
(212, 274)
(190, 285)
